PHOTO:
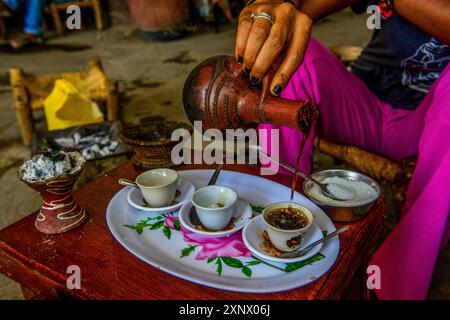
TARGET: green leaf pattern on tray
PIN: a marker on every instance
(142, 224)
(187, 251)
(256, 208)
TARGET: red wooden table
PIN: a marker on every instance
(39, 262)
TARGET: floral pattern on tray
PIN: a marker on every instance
(223, 252)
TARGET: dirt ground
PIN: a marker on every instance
(151, 77)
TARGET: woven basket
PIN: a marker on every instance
(151, 143)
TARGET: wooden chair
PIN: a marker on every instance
(94, 4)
(29, 93)
(376, 166)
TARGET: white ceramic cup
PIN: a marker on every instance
(158, 186)
(214, 206)
(284, 239)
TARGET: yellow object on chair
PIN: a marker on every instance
(65, 107)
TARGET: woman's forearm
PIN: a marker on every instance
(277, 47)
(432, 16)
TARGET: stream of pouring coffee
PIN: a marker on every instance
(297, 165)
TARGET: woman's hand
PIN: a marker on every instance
(259, 44)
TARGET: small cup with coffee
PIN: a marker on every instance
(286, 224)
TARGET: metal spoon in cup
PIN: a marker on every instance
(307, 249)
(158, 186)
(127, 183)
(324, 187)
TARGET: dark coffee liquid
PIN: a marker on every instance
(287, 218)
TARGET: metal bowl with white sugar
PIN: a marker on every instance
(366, 191)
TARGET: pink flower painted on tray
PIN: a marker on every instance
(232, 246)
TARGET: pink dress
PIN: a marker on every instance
(351, 114)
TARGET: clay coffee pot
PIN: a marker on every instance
(218, 93)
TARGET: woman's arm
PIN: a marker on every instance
(432, 16)
(260, 45)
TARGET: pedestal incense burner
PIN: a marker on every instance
(59, 212)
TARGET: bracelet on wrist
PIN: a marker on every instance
(386, 8)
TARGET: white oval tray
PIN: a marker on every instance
(223, 263)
